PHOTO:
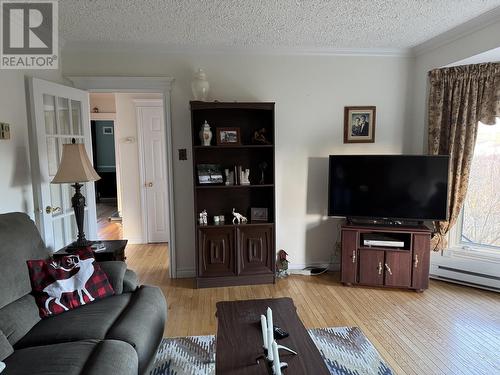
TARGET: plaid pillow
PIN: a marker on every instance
(67, 282)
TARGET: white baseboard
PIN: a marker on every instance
(183, 273)
(136, 241)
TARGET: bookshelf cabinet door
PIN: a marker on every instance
(421, 260)
(255, 244)
(216, 254)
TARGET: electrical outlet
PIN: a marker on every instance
(4, 130)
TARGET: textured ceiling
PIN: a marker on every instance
(266, 23)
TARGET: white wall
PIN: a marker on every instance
(458, 49)
(310, 94)
(16, 193)
(128, 164)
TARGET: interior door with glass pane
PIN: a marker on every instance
(58, 114)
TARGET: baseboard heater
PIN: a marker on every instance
(465, 277)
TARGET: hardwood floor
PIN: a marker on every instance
(108, 230)
(448, 329)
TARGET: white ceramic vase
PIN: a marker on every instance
(205, 134)
(200, 86)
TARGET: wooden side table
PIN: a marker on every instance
(115, 250)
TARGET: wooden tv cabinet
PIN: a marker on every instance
(403, 267)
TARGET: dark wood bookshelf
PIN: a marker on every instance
(228, 254)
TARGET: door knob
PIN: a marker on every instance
(148, 184)
(52, 210)
(380, 268)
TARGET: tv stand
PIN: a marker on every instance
(401, 260)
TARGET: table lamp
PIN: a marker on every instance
(75, 167)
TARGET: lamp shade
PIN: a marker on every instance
(75, 166)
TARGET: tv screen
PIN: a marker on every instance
(406, 187)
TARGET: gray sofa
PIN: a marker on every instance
(115, 335)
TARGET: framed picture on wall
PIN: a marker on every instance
(359, 124)
(107, 130)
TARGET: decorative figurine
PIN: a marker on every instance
(259, 137)
(200, 86)
(205, 134)
(203, 219)
(244, 177)
(229, 177)
(262, 167)
(282, 264)
(238, 218)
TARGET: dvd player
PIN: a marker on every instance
(380, 240)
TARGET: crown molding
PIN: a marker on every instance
(122, 84)
(460, 31)
(158, 48)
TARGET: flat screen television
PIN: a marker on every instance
(398, 187)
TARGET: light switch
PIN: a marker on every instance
(183, 154)
(4, 130)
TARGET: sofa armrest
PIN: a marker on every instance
(115, 270)
(130, 281)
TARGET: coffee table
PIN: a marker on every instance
(239, 341)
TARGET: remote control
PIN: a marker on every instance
(279, 333)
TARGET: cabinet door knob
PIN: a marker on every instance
(354, 256)
(388, 269)
(380, 268)
(416, 260)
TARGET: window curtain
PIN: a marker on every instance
(459, 98)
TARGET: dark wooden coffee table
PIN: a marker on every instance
(239, 341)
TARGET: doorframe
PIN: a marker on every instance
(138, 104)
(133, 84)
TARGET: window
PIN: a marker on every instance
(480, 227)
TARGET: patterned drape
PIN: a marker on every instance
(459, 98)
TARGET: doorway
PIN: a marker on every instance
(103, 130)
(127, 142)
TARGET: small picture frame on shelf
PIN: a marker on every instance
(228, 136)
(359, 124)
(210, 174)
(258, 214)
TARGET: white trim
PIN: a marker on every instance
(162, 85)
(162, 48)
(136, 241)
(183, 273)
(142, 180)
(103, 116)
(458, 32)
(122, 84)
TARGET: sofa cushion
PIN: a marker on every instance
(112, 357)
(5, 348)
(67, 282)
(20, 242)
(130, 281)
(18, 317)
(57, 359)
(88, 322)
(86, 357)
(142, 323)
(115, 270)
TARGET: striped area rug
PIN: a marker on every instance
(345, 350)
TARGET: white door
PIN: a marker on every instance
(58, 113)
(151, 129)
